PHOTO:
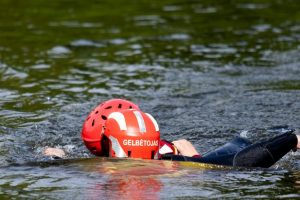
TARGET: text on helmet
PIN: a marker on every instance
(140, 142)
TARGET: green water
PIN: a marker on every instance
(206, 70)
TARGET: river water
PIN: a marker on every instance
(206, 70)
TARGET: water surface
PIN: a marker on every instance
(207, 71)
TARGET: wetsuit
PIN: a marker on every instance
(241, 152)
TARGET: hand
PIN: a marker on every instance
(185, 147)
(54, 152)
(298, 144)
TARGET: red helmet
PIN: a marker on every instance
(92, 131)
(132, 133)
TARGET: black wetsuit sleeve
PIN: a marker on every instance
(240, 152)
(223, 155)
(265, 154)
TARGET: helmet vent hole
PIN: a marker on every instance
(120, 106)
(152, 154)
(104, 117)
(97, 112)
(93, 122)
(109, 107)
(130, 107)
(129, 153)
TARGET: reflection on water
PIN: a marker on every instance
(114, 179)
(206, 71)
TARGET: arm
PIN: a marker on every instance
(263, 154)
(187, 149)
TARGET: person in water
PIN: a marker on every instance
(118, 128)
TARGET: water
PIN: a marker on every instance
(207, 71)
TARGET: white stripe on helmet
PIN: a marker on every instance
(140, 121)
(154, 121)
(120, 119)
(119, 152)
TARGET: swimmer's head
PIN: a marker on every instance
(131, 133)
(93, 127)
